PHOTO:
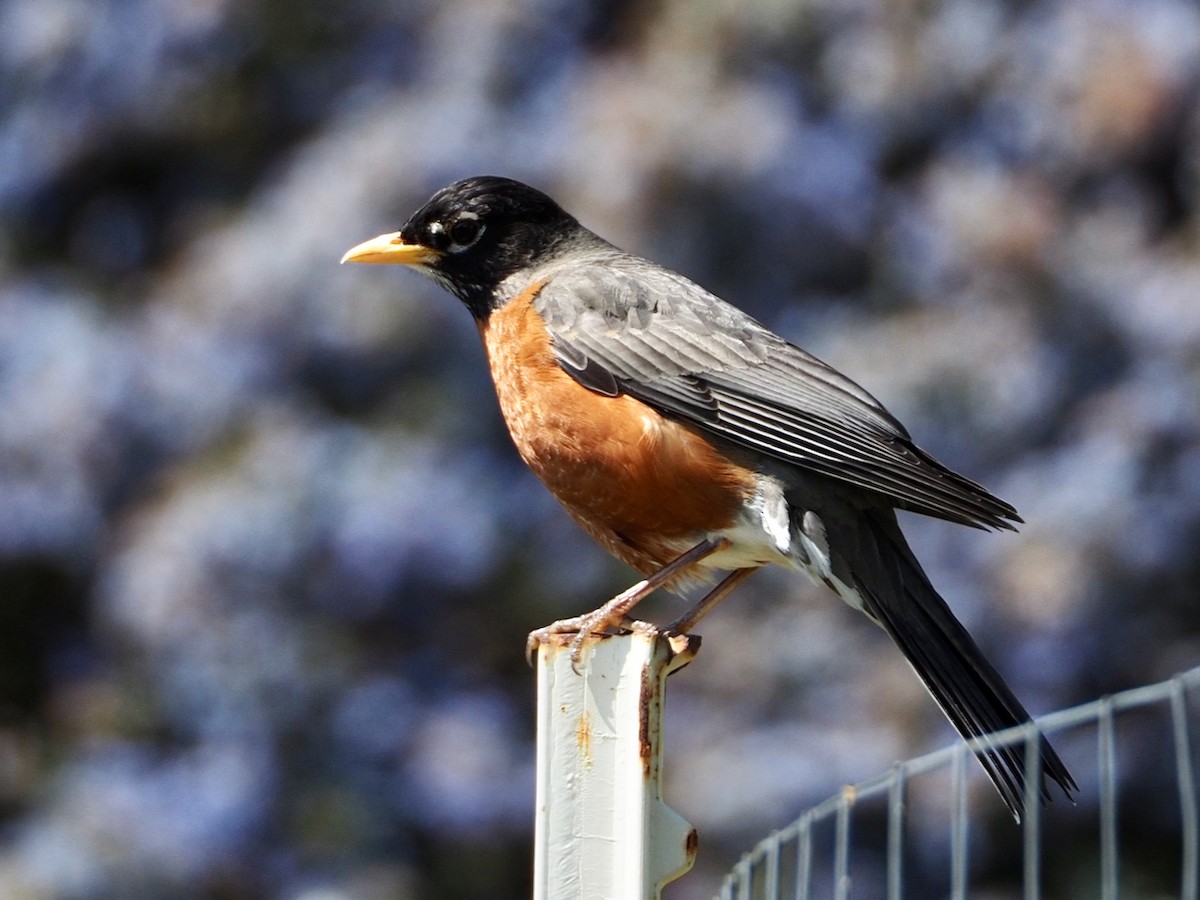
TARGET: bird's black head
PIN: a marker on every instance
(473, 234)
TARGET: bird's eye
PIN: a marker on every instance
(465, 231)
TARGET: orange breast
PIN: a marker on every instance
(645, 486)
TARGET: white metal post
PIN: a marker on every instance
(602, 830)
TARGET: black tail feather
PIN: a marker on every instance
(972, 694)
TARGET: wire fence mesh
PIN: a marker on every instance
(928, 828)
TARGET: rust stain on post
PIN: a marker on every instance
(645, 740)
(583, 737)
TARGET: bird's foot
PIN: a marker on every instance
(605, 620)
(615, 613)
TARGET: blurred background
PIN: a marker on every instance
(267, 557)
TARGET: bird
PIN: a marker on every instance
(691, 442)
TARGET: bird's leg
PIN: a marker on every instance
(615, 612)
(709, 601)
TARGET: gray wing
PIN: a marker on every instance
(662, 339)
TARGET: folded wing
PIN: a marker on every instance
(664, 340)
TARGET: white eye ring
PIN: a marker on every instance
(464, 231)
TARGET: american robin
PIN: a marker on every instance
(689, 439)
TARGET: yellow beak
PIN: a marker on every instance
(390, 248)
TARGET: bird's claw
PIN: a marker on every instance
(598, 621)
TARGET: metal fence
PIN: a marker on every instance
(928, 829)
